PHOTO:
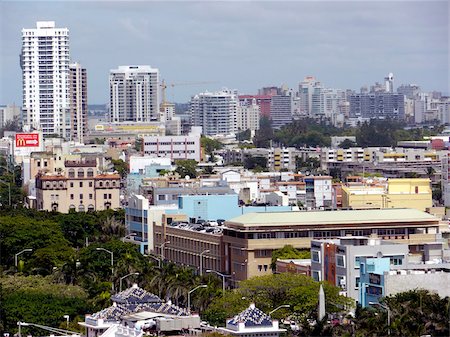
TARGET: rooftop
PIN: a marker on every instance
(332, 217)
(251, 317)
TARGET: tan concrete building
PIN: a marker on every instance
(250, 239)
(398, 193)
(79, 187)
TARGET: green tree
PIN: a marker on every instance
(289, 252)
(264, 135)
(36, 299)
(270, 291)
(258, 163)
(347, 143)
(121, 167)
(187, 167)
(210, 145)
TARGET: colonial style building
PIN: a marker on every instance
(80, 186)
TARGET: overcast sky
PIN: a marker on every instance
(240, 44)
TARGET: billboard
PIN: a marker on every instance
(27, 139)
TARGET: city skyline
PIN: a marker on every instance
(241, 45)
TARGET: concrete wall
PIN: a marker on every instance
(437, 282)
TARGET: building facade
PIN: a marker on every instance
(134, 94)
(378, 105)
(44, 60)
(173, 147)
(338, 261)
(250, 239)
(281, 110)
(79, 187)
(215, 112)
(78, 102)
(248, 116)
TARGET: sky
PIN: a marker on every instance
(243, 45)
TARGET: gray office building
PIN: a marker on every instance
(377, 105)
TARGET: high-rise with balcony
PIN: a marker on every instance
(78, 102)
(134, 94)
(215, 112)
(44, 60)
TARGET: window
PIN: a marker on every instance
(71, 184)
(81, 196)
(45, 164)
(90, 173)
(357, 261)
(81, 208)
(316, 275)
(90, 196)
(315, 256)
(341, 282)
(162, 197)
(90, 208)
(105, 196)
(71, 173)
(38, 164)
(110, 197)
(80, 173)
(259, 267)
(81, 184)
(340, 260)
(71, 197)
(90, 184)
(396, 261)
(357, 281)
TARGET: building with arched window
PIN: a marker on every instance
(79, 187)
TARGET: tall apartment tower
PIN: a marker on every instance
(134, 94)
(389, 82)
(78, 102)
(215, 112)
(45, 69)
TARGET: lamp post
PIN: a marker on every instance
(20, 324)
(189, 295)
(281, 306)
(67, 317)
(155, 258)
(162, 249)
(223, 278)
(385, 307)
(23, 251)
(9, 190)
(123, 277)
(112, 264)
(201, 260)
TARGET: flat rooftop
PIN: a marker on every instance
(309, 218)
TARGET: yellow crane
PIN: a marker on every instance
(164, 86)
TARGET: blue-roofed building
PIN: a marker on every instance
(252, 322)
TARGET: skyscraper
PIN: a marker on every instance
(215, 112)
(45, 69)
(78, 102)
(134, 94)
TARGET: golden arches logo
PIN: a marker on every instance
(20, 142)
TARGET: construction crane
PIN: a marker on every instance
(164, 86)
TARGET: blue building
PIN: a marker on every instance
(372, 279)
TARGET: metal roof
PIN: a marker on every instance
(251, 317)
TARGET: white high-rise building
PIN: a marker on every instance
(134, 94)
(78, 102)
(45, 69)
(215, 112)
(248, 116)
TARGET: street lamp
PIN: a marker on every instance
(281, 306)
(385, 307)
(67, 317)
(120, 282)
(112, 264)
(23, 251)
(9, 190)
(201, 260)
(155, 258)
(189, 295)
(223, 278)
(162, 249)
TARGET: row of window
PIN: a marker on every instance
(169, 143)
(91, 196)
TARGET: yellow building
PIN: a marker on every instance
(398, 193)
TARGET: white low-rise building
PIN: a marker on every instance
(173, 147)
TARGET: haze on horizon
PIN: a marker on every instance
(240, 44)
